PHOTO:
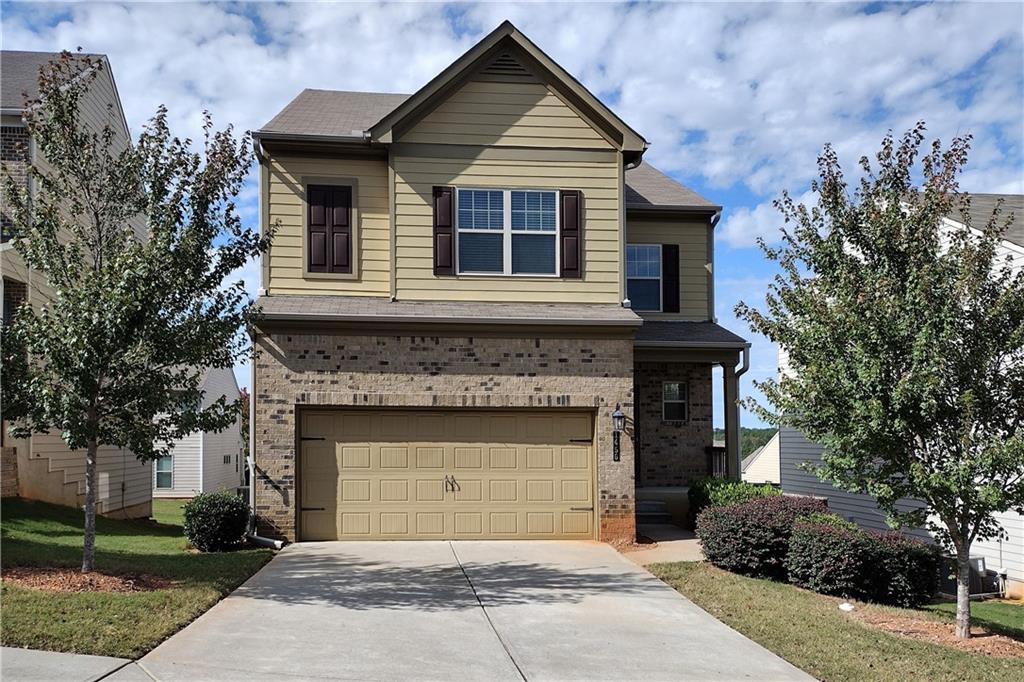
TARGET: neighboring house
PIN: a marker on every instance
(762, 465)
(42, 467)
(795, 450)
(204, 462)
(465, 285)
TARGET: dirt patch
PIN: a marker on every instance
(72, 580)
(982, 641)
(642, 542)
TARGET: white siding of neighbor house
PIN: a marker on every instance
(764, 468)
(199, 457)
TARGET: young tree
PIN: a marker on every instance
(905, 339)
(135, 242)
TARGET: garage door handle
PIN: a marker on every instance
(580, 440)
(313, 508)
(313, 438)
(581, 509)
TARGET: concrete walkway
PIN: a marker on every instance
(27, 665)
(673, 544)
(458, 611)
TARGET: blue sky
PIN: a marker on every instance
(736, 99)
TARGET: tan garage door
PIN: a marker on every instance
(453, 474)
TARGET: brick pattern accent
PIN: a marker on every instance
(14, 156)
(438, 372)
(8, 472)
(672, 453)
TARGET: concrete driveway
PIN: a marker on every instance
(458, 611)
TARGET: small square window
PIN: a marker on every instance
(674, 401)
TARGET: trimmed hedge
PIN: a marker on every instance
(215, 522)
(832, 556)
(753, 537)
(721, 492)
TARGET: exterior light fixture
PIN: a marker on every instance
(618, 426)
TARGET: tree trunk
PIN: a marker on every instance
(89, 546)
(963, 591)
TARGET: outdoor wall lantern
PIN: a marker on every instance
(618, 426)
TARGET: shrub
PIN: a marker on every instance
(753, 538)
(215, 522)
(828, 555)
(721, 492)
(905, 571)
(833, 556)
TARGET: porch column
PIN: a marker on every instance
(732, 422)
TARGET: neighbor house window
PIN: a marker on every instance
(643, 276)
(165, 472)
(507, 231)
(673, 401)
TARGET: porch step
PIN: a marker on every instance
(652, 511)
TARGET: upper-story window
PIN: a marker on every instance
(507, 231)
(643, 276)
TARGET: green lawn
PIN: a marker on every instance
(104, 623)
(1004, 617)
(169, 512)
(810, 632)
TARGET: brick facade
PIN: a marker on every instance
(8, 472)
(672, 453)
(295, 369)
(14, 156)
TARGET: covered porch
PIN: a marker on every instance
(673, 428)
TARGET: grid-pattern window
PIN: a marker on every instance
(507, 232)
(643, 276)
(674, 399)
(165, 472)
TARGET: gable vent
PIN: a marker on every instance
(506, 66)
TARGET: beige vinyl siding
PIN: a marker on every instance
(217, 474)
(692, 238)
(765, 466)
(596, 177)
(287, 207)
(502, 113)
(186, 479)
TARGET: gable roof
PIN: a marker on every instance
(981, 209)
(332, 113)
(19, 76)
(494, 45)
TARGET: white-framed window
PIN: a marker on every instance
(643, 276)
(165, 472)
(674, 401)
(506, 232)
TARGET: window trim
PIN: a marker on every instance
(684, 389)
(157, 472)
(336, 181)
(660, 278)
(506, 232)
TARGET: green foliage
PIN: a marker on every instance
(215, 522)
(751, 438)
(905, 340)
(724, 491)
(832, 556)
(753, 538)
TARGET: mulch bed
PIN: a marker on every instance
(937, 632)
(73, 580)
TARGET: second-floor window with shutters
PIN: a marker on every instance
(507, 232)
(643, 276)
(329, 229)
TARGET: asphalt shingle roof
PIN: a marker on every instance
(296, 308)
(981, 209)
(648, 187)
(659, 332)
(19, 74)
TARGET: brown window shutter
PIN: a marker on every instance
(318, 203)
(341, 229)
(570, 233)
(670, 278)
(444, 231)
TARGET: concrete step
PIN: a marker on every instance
(651, 507)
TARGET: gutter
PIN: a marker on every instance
(545, 321)
(250, 461)
(726, 345)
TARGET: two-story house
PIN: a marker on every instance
(43, 467)
(483, 315)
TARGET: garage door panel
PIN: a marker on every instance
(412, 474)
